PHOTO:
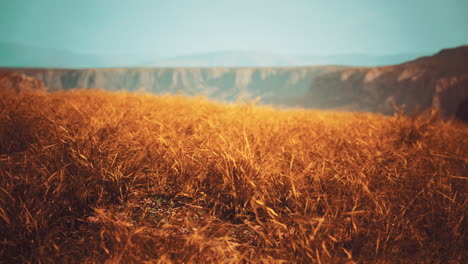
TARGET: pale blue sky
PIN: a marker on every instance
(178, 27)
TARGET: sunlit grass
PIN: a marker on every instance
(89, 176)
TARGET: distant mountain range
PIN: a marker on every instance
(16, 55)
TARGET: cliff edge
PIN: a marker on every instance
(439, 81)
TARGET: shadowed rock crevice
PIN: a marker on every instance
(462, 111)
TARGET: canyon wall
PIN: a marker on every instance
(273, 85)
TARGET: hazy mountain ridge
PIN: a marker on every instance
(17, 55)
(263, 59)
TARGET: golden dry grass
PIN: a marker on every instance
(93, 176)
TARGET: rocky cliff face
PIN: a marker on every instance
(439, 81)
(273, 85)
(18, 82)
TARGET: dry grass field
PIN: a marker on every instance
(101, 177)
